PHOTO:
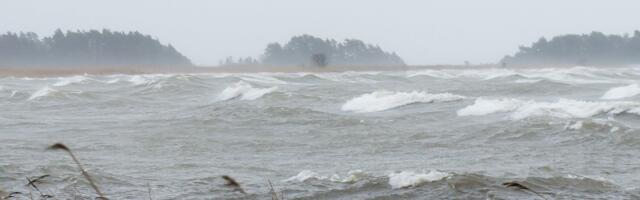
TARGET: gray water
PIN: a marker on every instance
(567, 133)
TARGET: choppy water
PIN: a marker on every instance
(570, 133)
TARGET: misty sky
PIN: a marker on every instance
(421, 31)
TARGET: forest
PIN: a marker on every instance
(307, 50)
(586, 49)
(87, 48)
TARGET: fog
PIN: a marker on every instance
(421, 32)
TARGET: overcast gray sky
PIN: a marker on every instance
(421, 31)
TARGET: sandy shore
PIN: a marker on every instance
(69, 71)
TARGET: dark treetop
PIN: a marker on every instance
(87, 48)
(587, 49)
(306, 50)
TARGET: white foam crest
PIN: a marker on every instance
(306, 175)
(244, 91)
(485, 74)
(574, 125)
(385, 100)
(42, 92)
(580, 177)
(622, 92)
(563, 108)
(140, 80)
(528, 80)
(147, 78)
(262, 78)
(573, 75)
(411, 179)
(113, 81)
(64, 81)
(351, 177)
(347, 77)
(487, 106)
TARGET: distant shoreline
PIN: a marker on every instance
(70, 71)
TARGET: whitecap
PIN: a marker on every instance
(527, 80)
(385, 100)
(354, 176)
(45, 91)
(306, 175)
(563, 108)
(113, 81)
(261, 78)
(573, 75)
(244, 91)
(411, 179)
(487, 106)
(622, 92)
(143, 79)
(64, 81)
(574, 125)
(351, 177)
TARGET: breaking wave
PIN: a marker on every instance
(563, 108)
(42, 92)
(244, 91)
(411, 179)
(622, 92)
(573, 75)
(64, 81)
(351, 177)
(385, 100)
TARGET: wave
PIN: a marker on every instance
(64, 81)
(42, 92)
(348, 77)
(261, 78)
(244, 91)
(306, 175)
(140, 80)
(411, 179)
(444, 185)
(573, 75)
(113, 81)
(563, 108)
(385, 100)
(595, 124)
(622, 92)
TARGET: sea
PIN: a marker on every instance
(452, 133)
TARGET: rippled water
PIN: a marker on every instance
(567, 133)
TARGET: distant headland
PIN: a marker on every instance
(595, 49)
(87, 49)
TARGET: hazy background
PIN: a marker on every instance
(421, 31)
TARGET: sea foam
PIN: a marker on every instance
(573, 75)
(411, 179)
(45, 91)
(563, 108)
(622, 92)
(244, 91)
(385, 100)
(64, 81)
(351, 177)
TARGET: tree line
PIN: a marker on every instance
(87, 48)
(595, 48)
(307, 50)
